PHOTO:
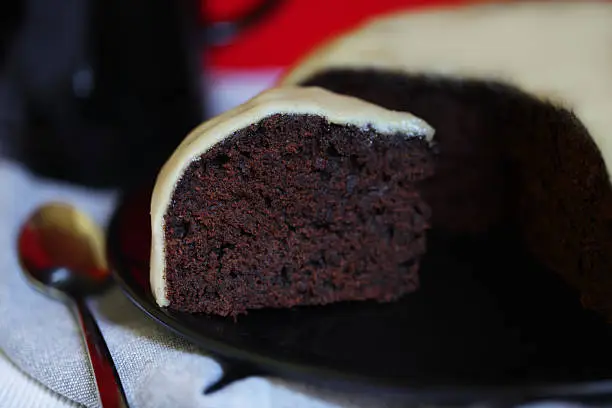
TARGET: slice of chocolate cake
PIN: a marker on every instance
(521, 99)
(298, 197)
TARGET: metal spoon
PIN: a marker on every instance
(62, 252)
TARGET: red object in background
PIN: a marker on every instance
(296, 27)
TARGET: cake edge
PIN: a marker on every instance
(335, 108)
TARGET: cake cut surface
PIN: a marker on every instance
(292, 211)
(290, 200)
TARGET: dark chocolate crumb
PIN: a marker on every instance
(296, 211)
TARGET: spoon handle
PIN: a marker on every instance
(110, 391)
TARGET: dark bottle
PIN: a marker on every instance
(110, 87)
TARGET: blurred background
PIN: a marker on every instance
(99, 92)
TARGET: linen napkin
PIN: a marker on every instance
(157, 368)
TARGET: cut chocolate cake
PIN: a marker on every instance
(521, 99)
(297, 197)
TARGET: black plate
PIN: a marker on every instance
(487, 323)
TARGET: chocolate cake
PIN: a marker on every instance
(298, 197)
(520, 97)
